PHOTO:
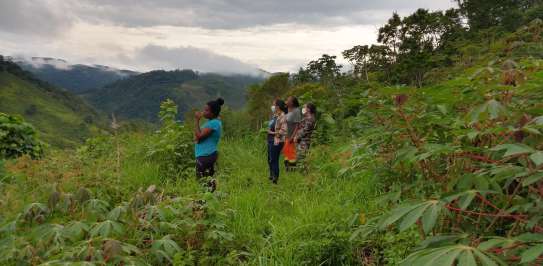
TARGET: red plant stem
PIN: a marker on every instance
(478, 157)
(513, 216)
(518, 217)
(484, 200)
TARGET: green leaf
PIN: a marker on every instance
(466, 200)
(495, 109)
(537, 158)
(467, 259)
(427, 257)
(492, 243)
(448, 258)
(442, 108)
(429, 217)
(484, 259)
(395, 215)
(538, 120)
(106, 229)
(532, 179)
(440, 240)
(513, 149)
(531, 130)
(531, 254)
(165, 248)
(412, 217)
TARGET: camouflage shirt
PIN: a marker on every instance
(305, 130)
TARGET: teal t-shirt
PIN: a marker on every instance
(208, 146)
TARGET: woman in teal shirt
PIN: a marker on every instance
(207, 138)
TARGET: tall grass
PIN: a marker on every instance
(304, 219)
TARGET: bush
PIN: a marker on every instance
(18, 138)
(171, 147)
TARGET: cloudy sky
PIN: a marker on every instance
(207, 35)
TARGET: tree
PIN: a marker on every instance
(18, 138)
(325, 69)
(390, 34)
(359, 57)
(260, 97)
(414, 43)
(483, 14)
(303, 76)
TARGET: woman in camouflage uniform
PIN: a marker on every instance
(303, 135)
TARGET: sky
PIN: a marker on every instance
(227, 36)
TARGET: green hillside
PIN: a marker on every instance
(61, 118)
(139, 97)
(75, 78)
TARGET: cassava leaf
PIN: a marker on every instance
(413, 216)
(531, 254)
(537, 158)
(532, 179)
(513, 149)
(467, 259)
(395, 215)
(430, 216)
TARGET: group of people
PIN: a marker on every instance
(289, 132)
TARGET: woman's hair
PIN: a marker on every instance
(215, 106)
(311, 107)
(295, 101)
(282, 105)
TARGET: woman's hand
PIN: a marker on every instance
(271, 132)
(198, 116)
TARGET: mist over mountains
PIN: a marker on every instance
(76, 78)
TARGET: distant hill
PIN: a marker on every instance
(75, 78)
(139, 97)
(62, 118)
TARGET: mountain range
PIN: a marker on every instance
(62, 118)
(71, 102)
(77, 78)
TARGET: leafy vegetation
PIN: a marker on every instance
(443, 167)
(17, 138)
(62, 118)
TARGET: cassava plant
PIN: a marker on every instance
(171, 147)
(476, 175)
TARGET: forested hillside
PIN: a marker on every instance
(139, 97)
(62, 118)
(429, 152)
(74, 78)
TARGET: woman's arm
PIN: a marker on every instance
(282, 129)
(200, 134)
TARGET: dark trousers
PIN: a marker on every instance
(274, 151)
(205, 165)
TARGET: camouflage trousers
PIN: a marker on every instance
(302, 150)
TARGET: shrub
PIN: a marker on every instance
(18, 138)
(171, 147)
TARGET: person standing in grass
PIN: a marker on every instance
(294, 117)
(303, 135)
(270, 138)
(277, 132)
(207, 139)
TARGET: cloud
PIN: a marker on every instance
(160, 57)
(208, 35)
(35, 17)
(232, 14)
(40, 62)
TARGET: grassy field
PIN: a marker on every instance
(302, 220)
